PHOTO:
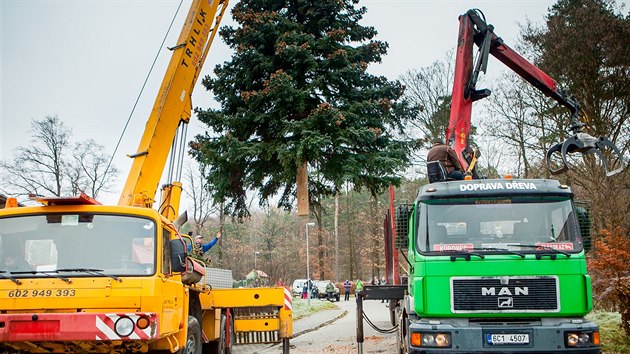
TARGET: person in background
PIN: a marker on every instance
(443, 153)
(198, 248)
(330, 291)
(359, 287)
(347, 285)
(375, 281)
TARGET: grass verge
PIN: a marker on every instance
(613, 338)
(301, 308)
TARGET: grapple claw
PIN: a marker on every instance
(604, 143)
(555, 150)
(586, 144)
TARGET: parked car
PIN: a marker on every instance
(321, 288)
(296, 288)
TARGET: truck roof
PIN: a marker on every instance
(493, 188)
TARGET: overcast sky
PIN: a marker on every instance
(85, 60)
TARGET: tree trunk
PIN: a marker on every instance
(222, 229)
(336, 237)
(350, 238)
(320, 242)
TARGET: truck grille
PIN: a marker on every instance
(504, 294)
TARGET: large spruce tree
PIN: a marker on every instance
(297, 90)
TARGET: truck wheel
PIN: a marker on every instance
(193, 340)
(285, 346)
(224, 346)
(402, 334)
(394, 312)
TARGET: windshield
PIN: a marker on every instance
(113, 244)
(465, 225)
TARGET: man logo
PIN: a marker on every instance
(505, 302)
(505, 291)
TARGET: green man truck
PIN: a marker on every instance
(496, 266)
(493, 265)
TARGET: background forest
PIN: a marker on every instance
(298, 90)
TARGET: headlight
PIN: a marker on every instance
(442, 340)
(431, 340)
(572, 339)
(124, 326)
(582, 339)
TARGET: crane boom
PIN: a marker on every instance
(171, 110)
(473, 29)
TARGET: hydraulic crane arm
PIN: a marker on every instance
(172, 110)
(474, 29)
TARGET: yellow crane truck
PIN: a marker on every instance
(80, 277)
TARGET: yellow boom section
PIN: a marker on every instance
(172, 107)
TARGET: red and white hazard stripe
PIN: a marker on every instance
(106, 322)
(288, 302)
(74, 326)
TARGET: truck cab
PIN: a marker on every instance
(497, 265)
(79, 272)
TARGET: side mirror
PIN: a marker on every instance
(178, 256)
(181, 220)
(584, 220)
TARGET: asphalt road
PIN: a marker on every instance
(340, 335)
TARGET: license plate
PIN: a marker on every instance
(506, 338)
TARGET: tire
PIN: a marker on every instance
(394, 312)
(402, 334)
(193, 338)
(285, 346)
(222, 344)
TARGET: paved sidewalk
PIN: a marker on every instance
(317, 320)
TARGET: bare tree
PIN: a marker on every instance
(430, 88)
(39, 167)
(91, 165)
(513, 120)
(198, 192)
(46, 166)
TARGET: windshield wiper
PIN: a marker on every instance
(16, 281)
(522, 255)
(91, 271)
(49, 273)
(539, 256)
(461, 254)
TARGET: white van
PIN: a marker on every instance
(296, 288)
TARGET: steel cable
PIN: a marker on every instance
(141, 90)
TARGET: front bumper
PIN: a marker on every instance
(40, 327)
(544, 336)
